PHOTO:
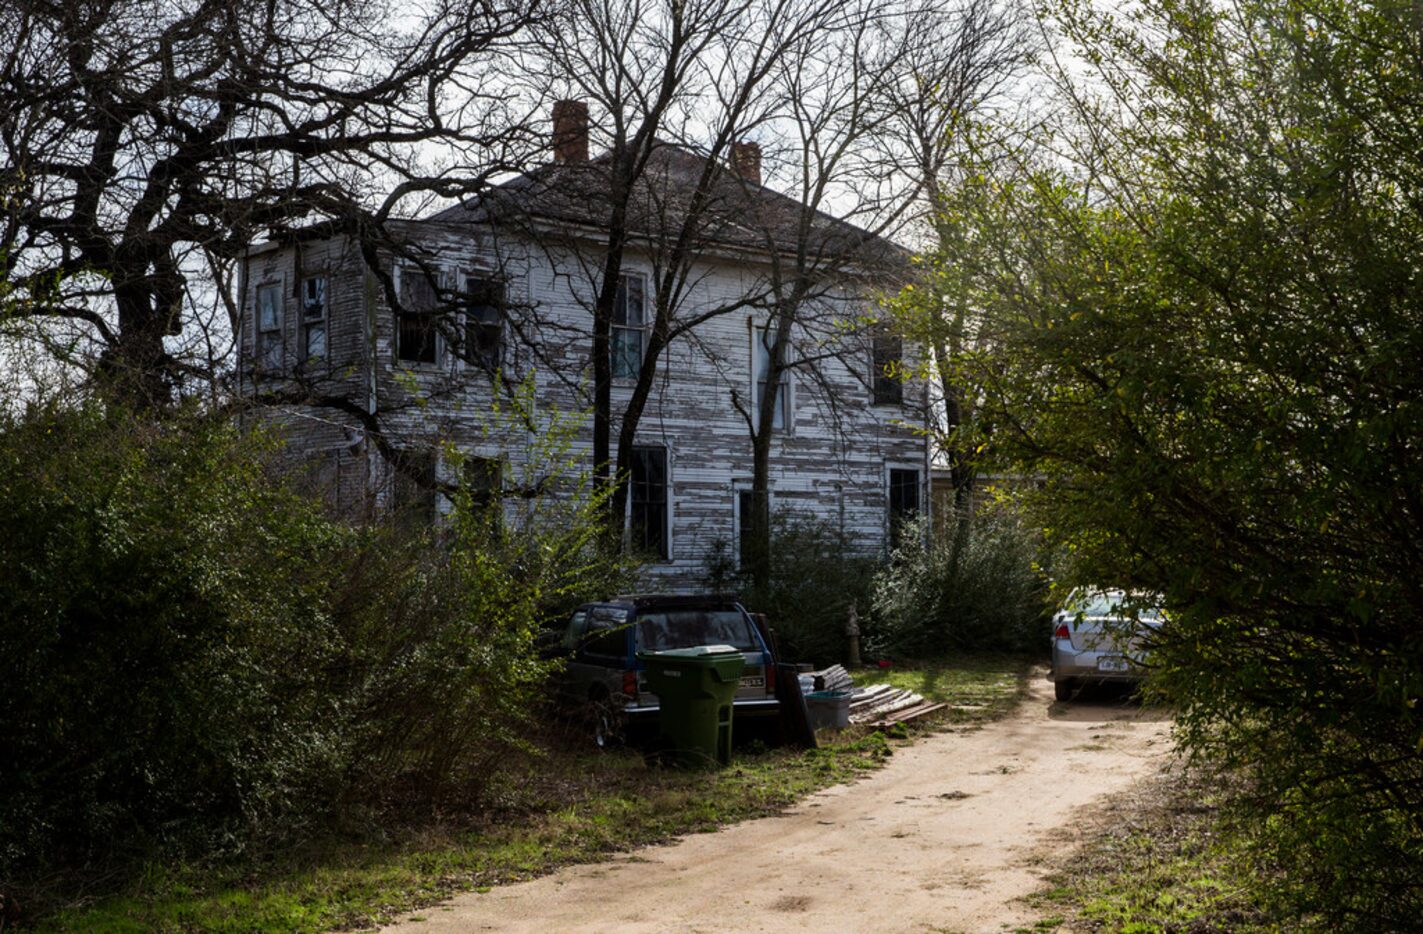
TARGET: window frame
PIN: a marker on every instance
(270, 341)
(308, 323)
(493, 466)
(620, 305)
(664, 555)
(401, 315)
(894, 522)
(739, 489)
(786, 389)
(428, 514)
(886, 389)
(468, 322)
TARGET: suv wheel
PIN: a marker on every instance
(1062, 689)
(606, 722)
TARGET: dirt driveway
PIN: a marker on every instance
(947, 837)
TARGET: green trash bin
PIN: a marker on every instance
(695, 688)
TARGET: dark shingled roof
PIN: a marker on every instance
(740, 215)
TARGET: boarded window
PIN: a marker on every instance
(888, 352)
(647, 517)
(629, 324)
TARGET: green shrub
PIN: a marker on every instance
(196, 658)
(816, 577)
(971, 587)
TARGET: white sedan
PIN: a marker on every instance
(1101, 636)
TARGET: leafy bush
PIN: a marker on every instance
(816, 576)
(963, 586)
(1201, 333)
(195, 657)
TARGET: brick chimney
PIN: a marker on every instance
(746, 161)
(570, 131)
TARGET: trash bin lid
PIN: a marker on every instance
(723, 662)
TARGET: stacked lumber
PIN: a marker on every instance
(878, 705)
(874, 703)
(834, 678)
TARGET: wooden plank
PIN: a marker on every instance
(905, 716)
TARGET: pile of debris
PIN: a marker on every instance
(878, 705)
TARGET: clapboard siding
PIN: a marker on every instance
(831, 464)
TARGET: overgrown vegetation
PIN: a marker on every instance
(975, 585)
(1202, 338)
(550, 804)
(197, 661)
(816, 576)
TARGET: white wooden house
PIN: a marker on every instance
(320, 333)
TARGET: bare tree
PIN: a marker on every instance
(865, 127)
(147, 144)
(672, 86)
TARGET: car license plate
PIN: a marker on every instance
(1111, 663)
(753, 682)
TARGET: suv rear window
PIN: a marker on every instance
(658, 631)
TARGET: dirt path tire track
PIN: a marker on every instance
(947, 837)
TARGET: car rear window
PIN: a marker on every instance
(658, 631)
(1097, 604)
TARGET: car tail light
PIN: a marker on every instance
(1062, 632)
(630, 683)
(770, 676)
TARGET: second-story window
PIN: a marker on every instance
(415, 325)
(762, 348)
(313, 318)
(269, 326)
(888, 355)
(484, 320)
(629, 321)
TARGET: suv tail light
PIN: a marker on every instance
(770, 669)
(630, 683)
(1062, 632)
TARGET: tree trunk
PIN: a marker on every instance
(759, 546)
(134, 370)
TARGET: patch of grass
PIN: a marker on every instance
(558, 806)
(978, 688)
(1167, 857)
